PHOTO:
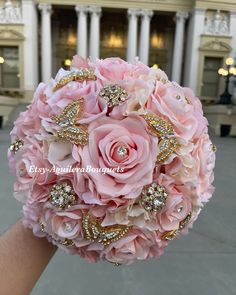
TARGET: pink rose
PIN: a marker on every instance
(31, 167)
(176, 209)
(137, 245)
(121, 144)
(113, 69)
(170, 102)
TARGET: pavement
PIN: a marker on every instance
(201, 263)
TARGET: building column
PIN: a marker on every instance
(144, 43)
(30, 20)
(94, 44)
(46, 41)
(178, 46)
(195, 29)
(132, 34)
(82, 33)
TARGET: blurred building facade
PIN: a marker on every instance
(189, 39)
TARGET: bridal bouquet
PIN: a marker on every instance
(112, 160)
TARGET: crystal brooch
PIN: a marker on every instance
(113, 94)
(170, 235)
(62, 196)
(153, 197)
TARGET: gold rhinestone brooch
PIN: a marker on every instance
(93, 231)
(170, 235)
(78, 76)
(16, 145)
(153, 197)
(113, 94)
(62, 196)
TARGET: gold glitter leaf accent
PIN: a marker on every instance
(167, 147)
(186, 221)
(78, 76)
(93, 231)
(164, 131)
(70, 114)
(170, 235)
(158, 126)
(76, 134)
(70, 131)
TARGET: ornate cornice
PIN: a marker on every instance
(155, 5)
(158, 5)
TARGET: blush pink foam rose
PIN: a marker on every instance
(31, 168)
(106, 136)
(136, 245)
(172, 103)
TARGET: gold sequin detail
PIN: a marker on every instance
(162, 80)
(188, 100)
(185, 222)
(67, 243)
(170, 235)
(78, 76)
(93, 231)
(16, 145)
(71, 131)
(42, 226)
(214, 148)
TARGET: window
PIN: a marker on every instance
(210, 79)
(9, 67)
